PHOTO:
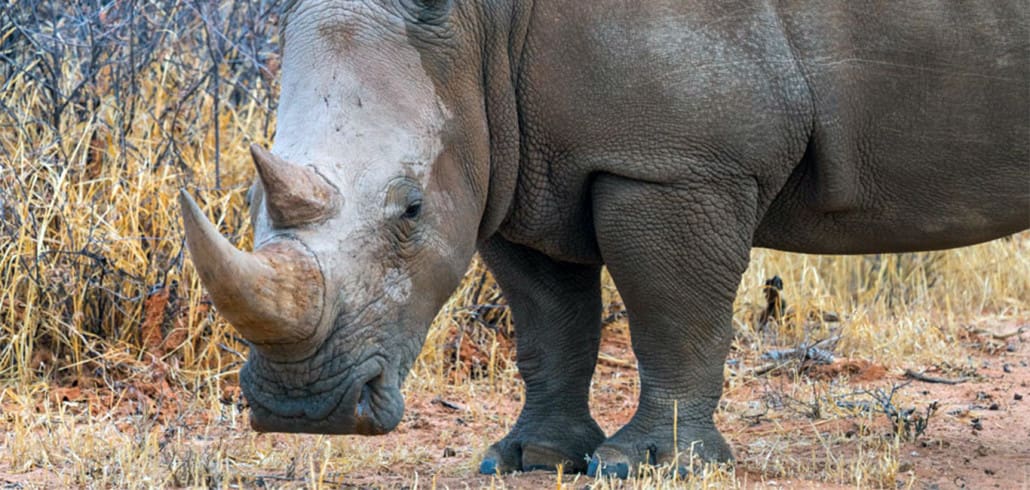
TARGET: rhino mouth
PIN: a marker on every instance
(364, 402)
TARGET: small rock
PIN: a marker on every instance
(449, 452)
(905, 467)
(994, 406)
(1006, 367)
(977, 424)
(1017, 397)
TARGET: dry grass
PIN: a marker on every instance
(115, 371)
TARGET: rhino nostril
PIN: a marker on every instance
(364, 408)
(365, 418)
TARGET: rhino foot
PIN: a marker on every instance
(622, 454)
(526, 450)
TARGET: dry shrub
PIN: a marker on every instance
(108, 108)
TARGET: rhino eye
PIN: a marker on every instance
(427, 11)
(405, 199)
(413, 210)
(431, 4)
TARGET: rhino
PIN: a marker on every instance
(660, 138)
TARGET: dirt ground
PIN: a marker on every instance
(795, 427)
(979, 436)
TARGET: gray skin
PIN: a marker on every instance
(662, 138)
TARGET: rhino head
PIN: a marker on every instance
(366, 211)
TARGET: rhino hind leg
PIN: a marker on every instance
(676, 254)
(557, 310)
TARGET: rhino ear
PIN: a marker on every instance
(294, 195)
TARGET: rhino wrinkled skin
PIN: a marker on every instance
(662, 138)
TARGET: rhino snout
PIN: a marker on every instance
(367, 404)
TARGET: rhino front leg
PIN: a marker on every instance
(676, 254)
(557, 310)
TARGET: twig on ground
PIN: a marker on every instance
(999, 336)
(932, 379)
(802, 353)
(818, 352)
(765, 368)
(447, 404)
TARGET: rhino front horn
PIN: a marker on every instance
(273, 296)
(294, 195)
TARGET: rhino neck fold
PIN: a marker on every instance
(504, 55)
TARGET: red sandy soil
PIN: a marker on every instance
(979, 436)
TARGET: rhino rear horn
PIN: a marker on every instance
(295, 195)
(273, 296)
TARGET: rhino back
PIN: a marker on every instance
(921, 127)
(865, 126)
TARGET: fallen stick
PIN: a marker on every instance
(765, 368)
(446, 404)
(802, 353)
(931, 379)
(819, 352)
(1005, 336)
(999, 336)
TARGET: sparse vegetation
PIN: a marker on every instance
(116, 372)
